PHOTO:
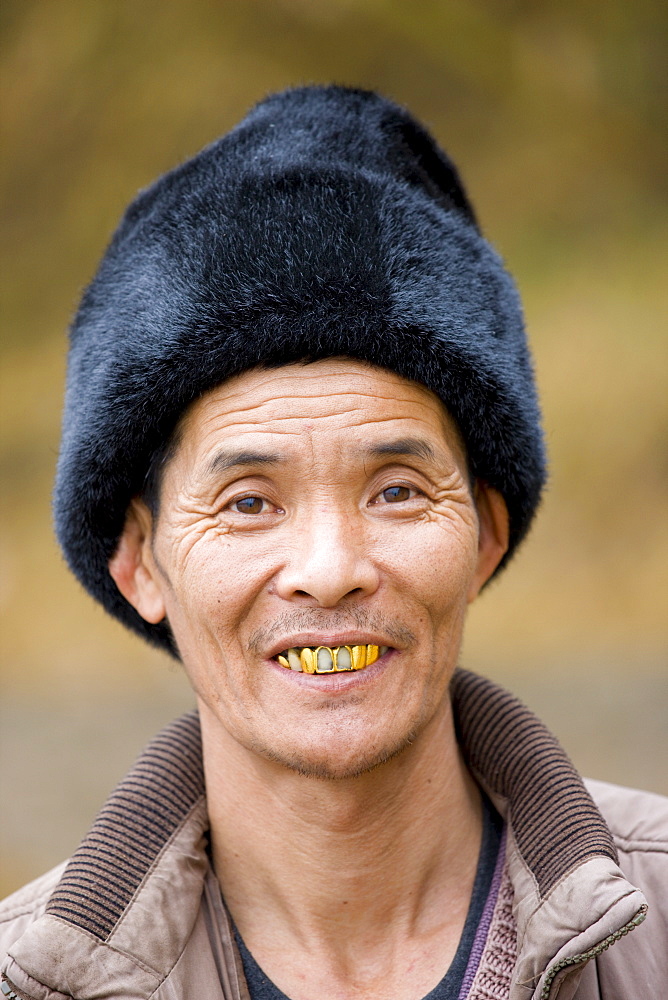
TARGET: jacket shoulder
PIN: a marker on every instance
(27, 904)
(637, 964)
(637, 820)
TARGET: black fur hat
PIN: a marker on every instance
(326, 223)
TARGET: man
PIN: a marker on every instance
(300, 436)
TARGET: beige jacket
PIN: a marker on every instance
(137, 913)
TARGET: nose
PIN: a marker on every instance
(329, 561)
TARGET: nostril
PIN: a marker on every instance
(326, 582)
(356, 592)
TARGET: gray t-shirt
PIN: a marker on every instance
(261, 987)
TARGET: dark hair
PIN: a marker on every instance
(150, 491)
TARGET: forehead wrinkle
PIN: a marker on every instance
(315, 371)
(240, 411)
(422, 398)
(253, 452)
(276, 424)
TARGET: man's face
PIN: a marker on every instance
(316, 505)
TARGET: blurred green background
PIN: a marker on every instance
(553, 113)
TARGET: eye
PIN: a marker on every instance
(249, 505)
(396, 494)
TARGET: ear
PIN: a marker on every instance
(133, 567)
(493, 534)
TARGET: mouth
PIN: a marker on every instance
(329, 659)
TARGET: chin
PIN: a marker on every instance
(332, 765)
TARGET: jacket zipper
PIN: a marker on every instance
(593, 952)
(12, 992)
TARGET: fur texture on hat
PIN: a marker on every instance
(326, 223)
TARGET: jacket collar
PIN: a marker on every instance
(571, 901)
(114, 906)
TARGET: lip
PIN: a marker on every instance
(329, 639)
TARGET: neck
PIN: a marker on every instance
(393, 851)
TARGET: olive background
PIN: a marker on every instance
(555, 114)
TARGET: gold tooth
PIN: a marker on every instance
(371, 655)
(335, 653)
(315, 660)
(307, 658)
(358, 657)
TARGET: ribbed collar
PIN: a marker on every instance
(512, 754)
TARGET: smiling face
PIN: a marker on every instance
(314, 505)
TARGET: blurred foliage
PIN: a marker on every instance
(553, 113)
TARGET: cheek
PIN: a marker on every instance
(214, 596)
(205, 591)
(436, 562)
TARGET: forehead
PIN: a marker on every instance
(334, 398)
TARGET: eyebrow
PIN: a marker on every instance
(229, 459)
(401, 446)
(416, 447)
